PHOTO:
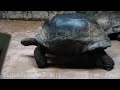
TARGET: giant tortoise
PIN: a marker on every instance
(70, 34)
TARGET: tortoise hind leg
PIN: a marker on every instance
(102, 59)
(106, 62)
(40, 58)
(118, 37)
(115, 36)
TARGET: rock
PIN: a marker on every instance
(14, 15)
(39, 15)
(27, 15)
(36, 15)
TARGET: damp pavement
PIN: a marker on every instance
(20, 63)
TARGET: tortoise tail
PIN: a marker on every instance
(29, 41)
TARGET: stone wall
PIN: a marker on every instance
(26, 15)
(33, 15)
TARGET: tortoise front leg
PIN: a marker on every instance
(40, 58)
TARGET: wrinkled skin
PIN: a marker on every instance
(110, 22)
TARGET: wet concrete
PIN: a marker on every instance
(19, 62)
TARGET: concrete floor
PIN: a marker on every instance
(19, 62)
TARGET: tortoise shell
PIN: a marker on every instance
(72, 32)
